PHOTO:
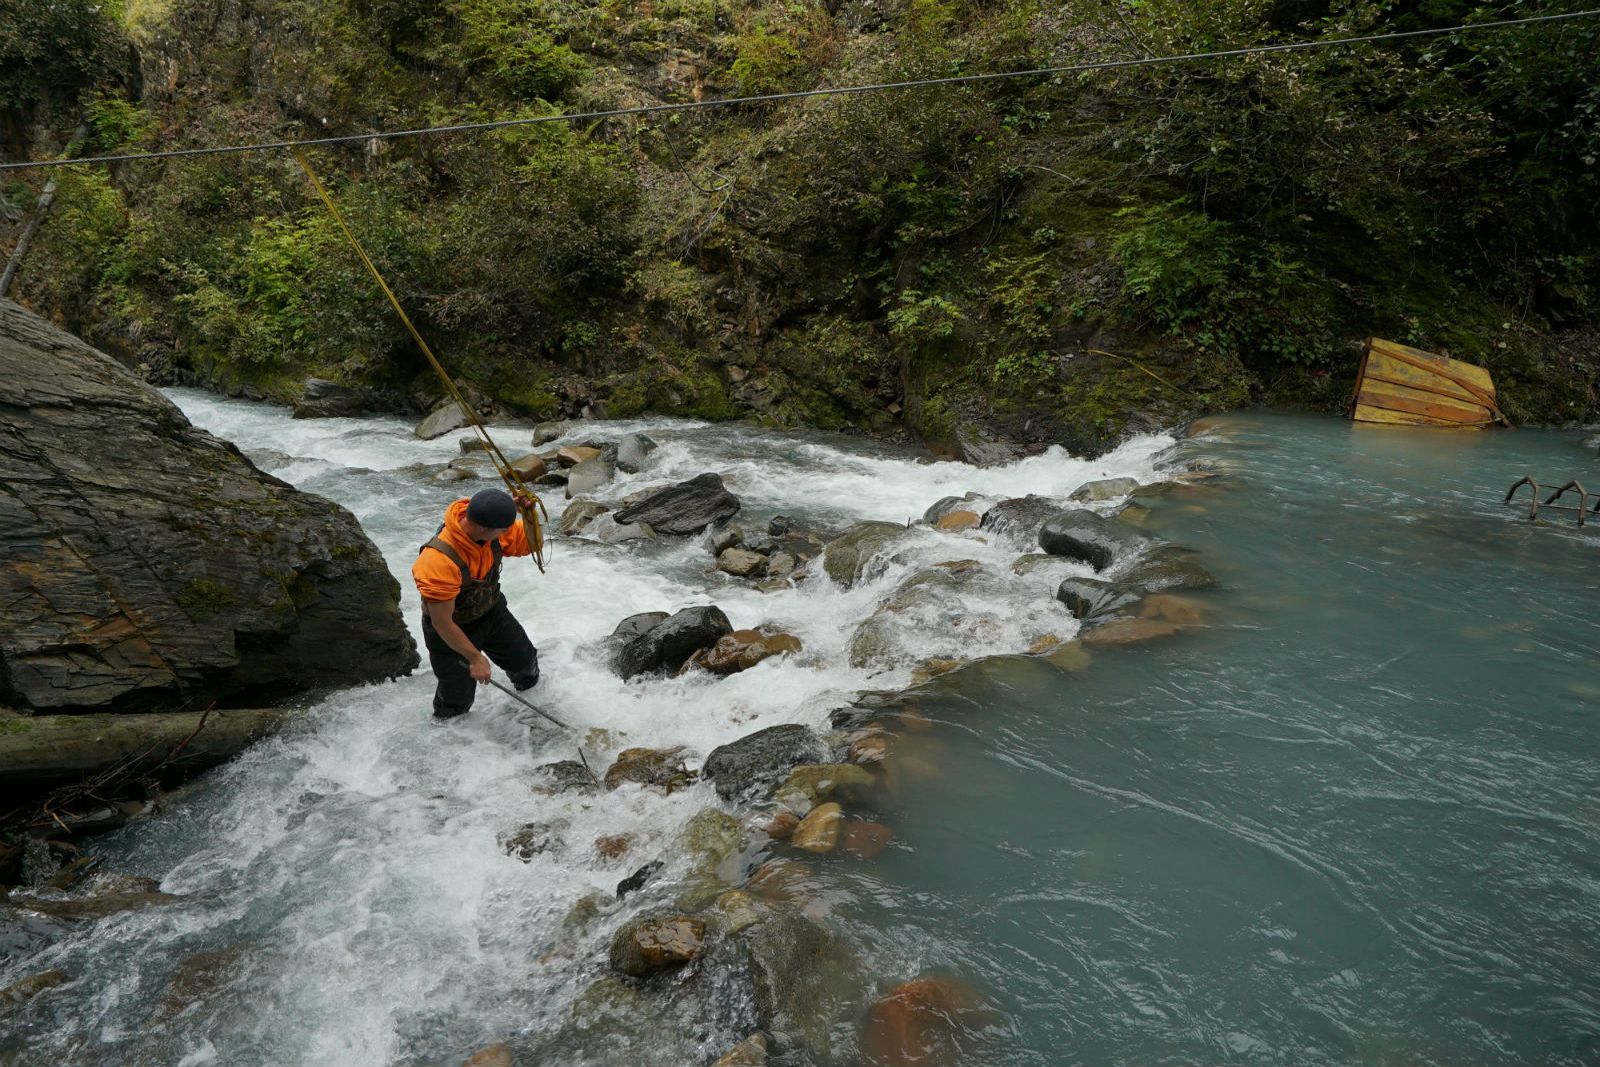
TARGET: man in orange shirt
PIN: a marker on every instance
(465, 620)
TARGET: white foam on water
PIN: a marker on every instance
(353, 865)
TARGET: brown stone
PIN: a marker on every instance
(31, 986)
(751, 1052)
(929, 1022)
(958, 520)
(819, 831)
(869, 749)
(613, 845)
(741, 563)
(648, 766)
(779, 825)
(1044, 644)
(1071, 656)
(1165, 607)
(655, 944)
(531, 467)
(493, 1056)
(743, 649)
(961, 568)
(527, 841)
(572, 455)
(863, 839)
(784, 882)
(1128, 632)
(933, 667)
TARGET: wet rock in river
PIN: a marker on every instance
(743, 649)
(1019, 519)
(564, 776)
(446, 418)
(929, 1022)
(199, 976)
(713, 843)
(934, 666)
(685, 508)
(870, 748)
(644, 947)
(1174, 609)
(741, 563)
(1166, 568)
(956, 521)
(777, 825)
(528, 840)
(530, 467)
(579, 514)
(1091, 537)
(812, 783)
(808, 987)
(612, 846)
(819, 831)
(751, 1052)
(1089, 598)
(1128, 632)
(633, 452)
(546, 432)
(493, 1056)
(31, 986)
(864, 840)
(1105, 489)
(607, 530)
(103, 895)
(572, 455)
(638, 879)
(324, 399)
(648, 766)
(759, 761)
(589, 475)
(860, 552)
(669, 643)
(22, 934)
(971, 502)
(925, 605)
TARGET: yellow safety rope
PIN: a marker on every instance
(532, 524)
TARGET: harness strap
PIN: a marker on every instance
(444, 548)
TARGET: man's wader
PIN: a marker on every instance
(482, 613)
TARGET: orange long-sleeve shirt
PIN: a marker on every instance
(437, 576)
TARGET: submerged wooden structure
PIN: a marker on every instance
(1406, 386)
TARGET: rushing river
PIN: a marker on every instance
(1354, 818)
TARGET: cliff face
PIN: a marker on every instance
(147, 565)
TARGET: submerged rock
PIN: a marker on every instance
(761, 760)
(1169, 567)
(864, 840)
(810, 783)
(751, 1052)
(712, 843)
(929, 1022)
(1128, 632)
(31, 986)
(493, 1056)
(1091, 537)
(858, 552)
(808, 987)
(685, 508)
(145, 563)
(819, 831)
(528, 840)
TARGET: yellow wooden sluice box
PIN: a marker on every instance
(1406, 386)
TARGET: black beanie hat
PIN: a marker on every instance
(492, 509)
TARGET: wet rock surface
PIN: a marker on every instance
(685, 508)
(1091, 537)
(215, 581)
(666, 644)
(649, 945)
(762, 760)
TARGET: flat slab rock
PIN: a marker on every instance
(761, 760)
(685, 508)
(143, 561)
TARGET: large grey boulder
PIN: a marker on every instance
(685, 508)
(324, 399)
(146, 564)
(446, 418)
(633, 452)
(590, 475)
(1093, 538)
(1090, 598)
(762, 759)
(669, 643)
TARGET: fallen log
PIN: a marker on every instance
(40, 752)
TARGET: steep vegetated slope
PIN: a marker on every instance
(1049, 258)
